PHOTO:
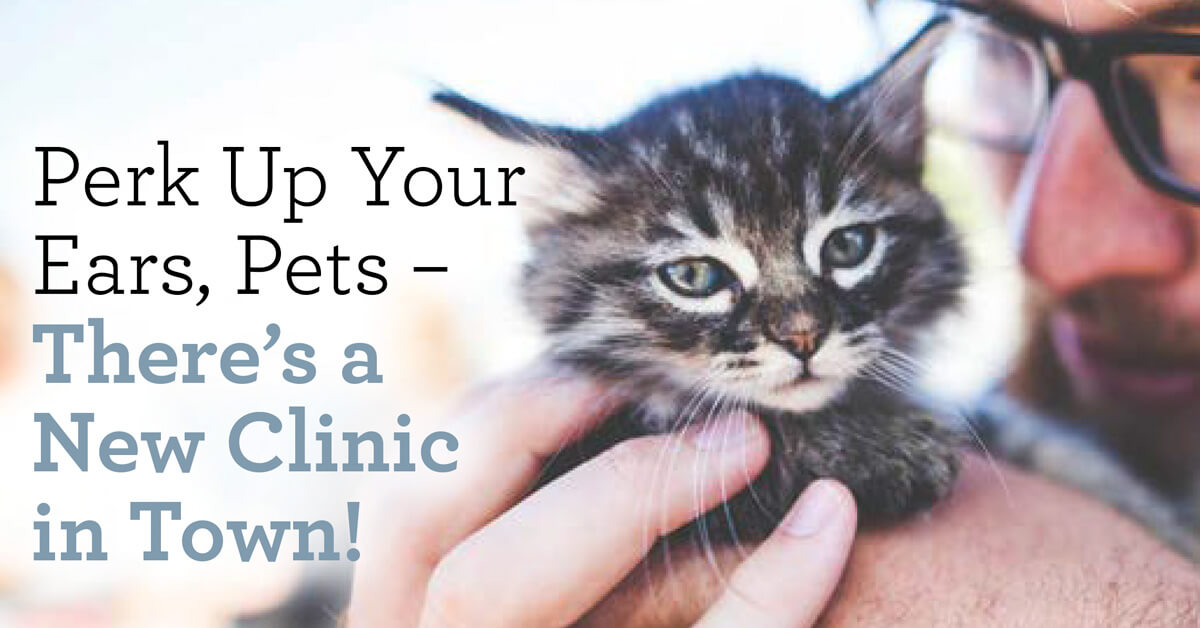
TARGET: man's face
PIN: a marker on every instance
(1119, 262)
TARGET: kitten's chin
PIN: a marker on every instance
(800, 396)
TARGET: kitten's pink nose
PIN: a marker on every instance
(805, 336)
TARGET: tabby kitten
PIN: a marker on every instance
(750, 244)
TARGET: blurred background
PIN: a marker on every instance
(110, 79)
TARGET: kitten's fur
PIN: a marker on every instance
(755, 172)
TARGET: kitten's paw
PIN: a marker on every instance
(906, 476)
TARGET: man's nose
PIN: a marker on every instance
(1088, 217)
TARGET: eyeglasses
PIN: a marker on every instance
(992, 75)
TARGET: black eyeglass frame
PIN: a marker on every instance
(1091, 58)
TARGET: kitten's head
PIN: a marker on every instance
(748, 238)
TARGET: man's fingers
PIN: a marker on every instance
(505, 438)
(505, 434)
(557, 553)
(789, 579)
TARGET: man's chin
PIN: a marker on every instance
(1116, 378)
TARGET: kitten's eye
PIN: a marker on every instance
(696, 277)
(848, 247)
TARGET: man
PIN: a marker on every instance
(1116, 256)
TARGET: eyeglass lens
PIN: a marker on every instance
(991, 85)
(986, 85)
(1159, 100)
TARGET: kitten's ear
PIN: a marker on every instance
(561, 163)
(585, 145)
(891, 102)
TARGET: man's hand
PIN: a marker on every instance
(473, 548)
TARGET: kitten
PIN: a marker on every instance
(750, 244)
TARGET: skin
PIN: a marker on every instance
(1113, 261)
(1006, 548)
(473, 548)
